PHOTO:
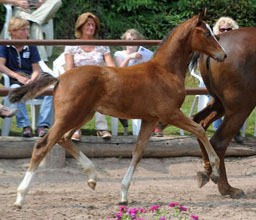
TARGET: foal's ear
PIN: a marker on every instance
(202, 15)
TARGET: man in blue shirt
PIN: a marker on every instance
(21, 64)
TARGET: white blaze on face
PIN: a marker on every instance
(209, 28)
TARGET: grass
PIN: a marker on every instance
(89, 128)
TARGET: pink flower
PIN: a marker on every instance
(173, 204)
(194, 217)
(154, 207)
(142, 210)
(182, 208)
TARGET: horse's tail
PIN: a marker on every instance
(194, 61)
(33, 89)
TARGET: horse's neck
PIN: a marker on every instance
(175, 53)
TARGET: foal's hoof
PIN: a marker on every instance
(17, 206)
(92, 185)
(202, 178)
(214, 179)
(123, 203)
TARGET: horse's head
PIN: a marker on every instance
(203, 39)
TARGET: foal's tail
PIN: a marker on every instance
(33, 89)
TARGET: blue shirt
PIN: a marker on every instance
(20, 61)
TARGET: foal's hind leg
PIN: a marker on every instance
(83, 160)
(181, 121)
(138, 151)
(41, 148)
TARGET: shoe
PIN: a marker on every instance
(41, 131)
(77, 135)
(104, 134)
(158, 133)
(239, 138)
(7, 112)
(27, 132)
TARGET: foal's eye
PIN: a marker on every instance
(207, 34)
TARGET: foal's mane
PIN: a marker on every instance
(171, 32)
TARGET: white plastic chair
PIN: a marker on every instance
(47, 28)
(8, 16)
(34, 103)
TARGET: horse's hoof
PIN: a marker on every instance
(214, 179)
(123, 203)
(92, 185)
(17, 206)
(202, 178)
(237, 194)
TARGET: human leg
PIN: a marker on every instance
(45, 119)
(101, 126)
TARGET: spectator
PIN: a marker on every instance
(7, 112)
(87, 28)
(127, 57)
(223, 25)
(20, 63)
(37, 12)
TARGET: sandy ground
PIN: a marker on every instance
(64, 194)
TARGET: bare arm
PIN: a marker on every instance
(108, 60)
(21, 3)
(69, 59)
(10, 73)
(122, 63)
(35, 73)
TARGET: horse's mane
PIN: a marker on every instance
(167, 36)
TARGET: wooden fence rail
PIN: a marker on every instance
(5, 91)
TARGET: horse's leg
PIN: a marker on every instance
(138, 151)
(86, 163)
(182, 121)
(205, 117)
(231, 124)
(59, 129)
(41, 148)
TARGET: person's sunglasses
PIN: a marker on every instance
(225, 29)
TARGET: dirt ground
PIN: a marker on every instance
(63, 193)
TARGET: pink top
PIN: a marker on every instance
(94, 57)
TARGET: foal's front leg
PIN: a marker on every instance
(182, 121)
(138, 151)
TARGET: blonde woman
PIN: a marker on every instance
(224, 24)
(128, 56)
(87, 28)
(17, 59)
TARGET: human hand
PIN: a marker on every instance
(22, 3)
(28, 81)
(22, 79)
(135, 55)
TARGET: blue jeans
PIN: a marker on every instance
(45, 116)
(216, 124)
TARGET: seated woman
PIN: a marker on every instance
(87, 28)
(21, 64)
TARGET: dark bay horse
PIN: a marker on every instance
(151, 91)
(232, 84)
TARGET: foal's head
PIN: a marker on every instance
(203, 39)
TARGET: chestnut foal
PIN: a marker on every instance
(151, 91)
